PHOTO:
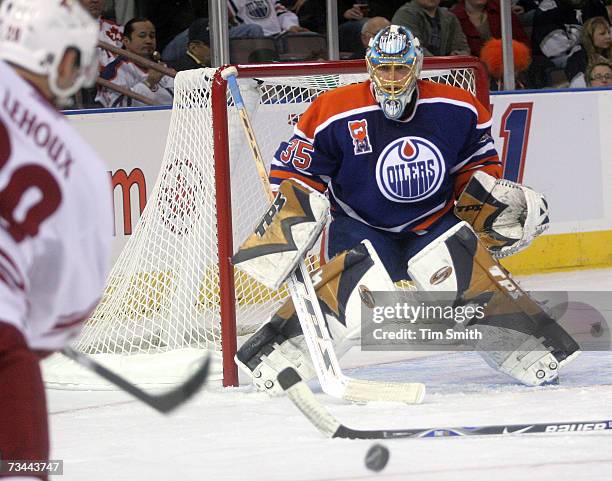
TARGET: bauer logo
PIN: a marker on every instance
(566, 428)
(410, 169)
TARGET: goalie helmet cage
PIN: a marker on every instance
(173, 292)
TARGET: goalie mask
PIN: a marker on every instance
(394, 59)
(35, 35)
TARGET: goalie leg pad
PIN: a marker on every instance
(277, 344)
(519, 337)
(349, 280)
(506, 216)
(288, 229)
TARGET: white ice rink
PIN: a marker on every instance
(238, 434)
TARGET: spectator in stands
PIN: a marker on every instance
(241, 30)
(438, 29)
(110, 32)
(599, 74)
(481, 21)
(608, 4)
(595, 44)
(525, 10)
(557, 25)
(273, 17)
(124, 10)
(491, 54)
(370, 28)
(177, 46)
(352, 14)
(197, 54)
(172, 17)
(385, 8)
(138, 38)
(311, 14)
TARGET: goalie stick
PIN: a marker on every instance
(308, 309)
(165, 402)
(303, 398)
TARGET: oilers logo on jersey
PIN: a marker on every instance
(359, 133)
(410, 169)
(258, 9)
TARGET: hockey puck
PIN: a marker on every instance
(377, 457)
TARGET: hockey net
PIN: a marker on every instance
(172, 293)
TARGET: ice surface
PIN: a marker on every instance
(238, 434)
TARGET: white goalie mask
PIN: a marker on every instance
(35, 35)
(394, 59)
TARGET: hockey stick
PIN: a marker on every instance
(308, 309)
(301, 395)
(163, 403)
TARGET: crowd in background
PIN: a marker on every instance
(556, 43)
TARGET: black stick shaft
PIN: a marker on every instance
(496, 429)
(163, 403)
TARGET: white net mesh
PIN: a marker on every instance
(163, 295)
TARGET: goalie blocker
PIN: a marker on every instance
(340, 286)
(284, 234)
(518, 337)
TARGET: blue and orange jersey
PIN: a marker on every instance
(397, 176)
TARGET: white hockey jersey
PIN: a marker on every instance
(127, 74)
(271, 15)
(110, 32)
(56, 218)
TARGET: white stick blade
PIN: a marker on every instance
(301, 395)
(359, 390)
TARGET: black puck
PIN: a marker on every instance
(377, 457)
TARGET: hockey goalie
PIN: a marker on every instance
(406, 176)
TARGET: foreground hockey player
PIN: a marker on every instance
(410, 166)
(55, 213)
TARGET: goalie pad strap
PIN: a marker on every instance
(287, 230)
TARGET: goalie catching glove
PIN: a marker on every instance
(288, 229)
(505, 215)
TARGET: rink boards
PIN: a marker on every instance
(557, 142)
